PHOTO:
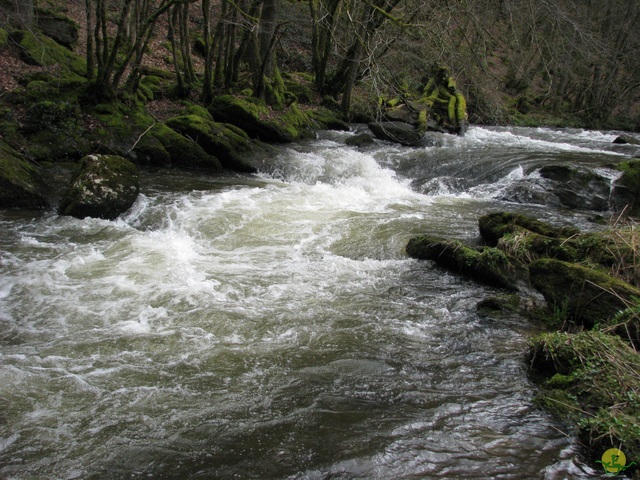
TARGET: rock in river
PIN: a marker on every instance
(102, 186)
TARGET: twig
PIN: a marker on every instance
(142, 135)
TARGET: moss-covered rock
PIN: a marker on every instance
(494, 226)
(183, 152)
(58, 27)
(487, 265)
(199, 110)
(507, 305)
(44, 51)
(103, 186)
(226, 142)
(592, 379)
(261, 122)
(328, 120)
(589, 295)
(21, 183)
(150, 151)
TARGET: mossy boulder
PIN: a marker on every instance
(58, 27)
(21, 183)
(44, 51)
(226, 142)
(103, 186)
(150, 151)
(261, 122)
(183, 152)
(486, 265)
(528, 239)
(626, 189)
(588, 295)
(592, 379)
(328, 120)
(494, 226)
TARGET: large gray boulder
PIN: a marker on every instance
(103, 186)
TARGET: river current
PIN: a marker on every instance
(272, 326)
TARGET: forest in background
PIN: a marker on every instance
(572, 62)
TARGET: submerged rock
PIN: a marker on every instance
(21, 182)
(563, 186)
(103, 186)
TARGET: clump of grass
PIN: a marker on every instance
(624, 247)
(592, 378)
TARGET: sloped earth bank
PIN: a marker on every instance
(272, 326)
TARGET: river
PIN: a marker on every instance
(271, 325)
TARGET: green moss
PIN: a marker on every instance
(260, 121)
(4, 37)
(329, 120)
(229, 144)
(593, 379)
(21, 184)
(559, 402)
(43, 51)
(487, 265)
(591, 295)
(199, 110)
(183, 152)
(495, 225)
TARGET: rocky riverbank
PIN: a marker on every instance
(587, 365)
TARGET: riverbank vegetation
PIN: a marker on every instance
(66, 64)
(587, 364)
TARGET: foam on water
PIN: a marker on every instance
(269, 328)
(540, 139)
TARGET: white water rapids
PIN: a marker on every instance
(271, 326)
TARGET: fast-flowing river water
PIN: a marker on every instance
(272, 326)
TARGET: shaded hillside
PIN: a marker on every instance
(516, 61)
